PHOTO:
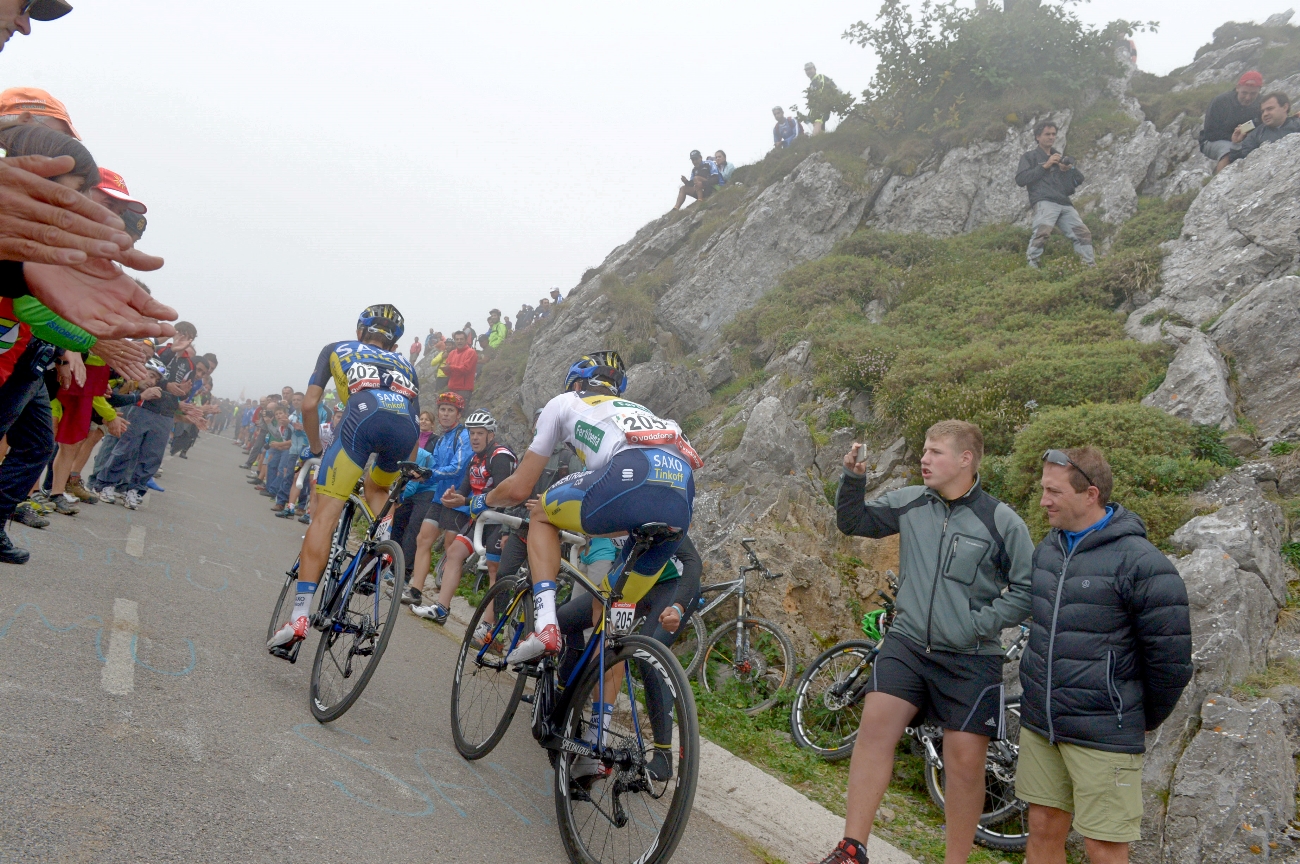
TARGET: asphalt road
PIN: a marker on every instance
(141, 719)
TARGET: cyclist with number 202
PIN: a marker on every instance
(378, 387)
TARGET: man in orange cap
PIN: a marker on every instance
(31, 105)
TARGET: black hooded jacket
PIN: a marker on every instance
(1110, 646)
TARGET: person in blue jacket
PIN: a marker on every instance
(785, 130)
(449, 459)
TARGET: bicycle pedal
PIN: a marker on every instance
(290, 654)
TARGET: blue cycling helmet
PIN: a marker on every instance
(598, 369)
(384, 319)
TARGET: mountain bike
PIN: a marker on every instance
(827, 711)
(358, 600)
(748, 660)
(615, 801)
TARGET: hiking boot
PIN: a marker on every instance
(412, 596)
(847, 852)
(28, 515)
(285, 513)
(109, 495)
(305, 519)
(277, 507)
(11, 554)
(65, 505)
(80, 492)
(133, 499)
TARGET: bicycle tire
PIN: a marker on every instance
(754, 682)
(686, 647)
(280, 612)
(1004, 824)
(581, 805)
(329, 702)
(822, 722)
(491, 686)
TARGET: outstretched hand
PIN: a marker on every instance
(126, 357)
(109, 308)
(43, 222)
(851, 463)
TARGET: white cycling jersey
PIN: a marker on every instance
(600, 426)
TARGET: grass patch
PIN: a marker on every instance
(1276, 673)
(731, 437)
(1103, 117)
(1291, 552)
(1281, 448)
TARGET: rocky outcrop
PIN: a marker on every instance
(1242, 230)
(666, 388)
(1261, 332)
(1235, 786)
(1196, 384)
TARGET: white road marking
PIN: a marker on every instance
(135, 541)
(118, 676)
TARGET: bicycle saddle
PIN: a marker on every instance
(655, 532)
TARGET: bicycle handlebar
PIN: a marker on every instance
(307, 465)
(496, 517)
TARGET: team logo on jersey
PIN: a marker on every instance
(589, 436)
(10, 336)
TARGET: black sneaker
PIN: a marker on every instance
(183, 456)
(412, 596)
(28, 516)
(847, 852)
(11, 554)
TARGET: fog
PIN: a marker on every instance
(301, 160)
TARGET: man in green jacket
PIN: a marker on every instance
(965, 565)
(496, 329)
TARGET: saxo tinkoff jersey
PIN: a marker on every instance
(356, 366)
(600, 426)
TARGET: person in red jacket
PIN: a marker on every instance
(462, 363)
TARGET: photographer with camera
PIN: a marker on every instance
(1051, 179)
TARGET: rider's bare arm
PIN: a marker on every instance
(518, 487)
(311, 415)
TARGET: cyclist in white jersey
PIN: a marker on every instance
(639, 469)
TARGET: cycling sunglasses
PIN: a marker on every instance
(1058, 457)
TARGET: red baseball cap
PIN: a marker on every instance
(1250, 79)
(112, 185)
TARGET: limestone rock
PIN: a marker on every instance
(1237, 769)
(1222, 65)
(1117, 168)
(794, 220)
(1262, 333)
(1178, 166)
(718, 371)
(1248, 527)
(1196, 385)
(1280, 19)
(773, 440)
(1242, 229)
(668, 389)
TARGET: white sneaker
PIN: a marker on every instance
(133, 499)
(109, 495)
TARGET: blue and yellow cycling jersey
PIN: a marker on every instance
(356, 366)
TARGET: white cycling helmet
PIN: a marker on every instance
(481, 420)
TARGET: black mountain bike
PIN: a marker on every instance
(616, 799)
(359, 597)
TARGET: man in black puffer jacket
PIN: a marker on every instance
(1110, 651)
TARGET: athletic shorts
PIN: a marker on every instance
(1102, 789)
(446, 518)
(377, 422)
(638, 486)
(78, 410)
(961, 692)
(491, 539)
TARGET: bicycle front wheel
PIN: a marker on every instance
(747, 663)
(688, 644)
(632, 802)
(485, 691)
(827, 710)
(358, 625)
(283, 604)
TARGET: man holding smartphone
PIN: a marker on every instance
(1230, 116)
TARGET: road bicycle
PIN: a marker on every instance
(618, 800)
(827, 710)
(358, 600)
(748, 660)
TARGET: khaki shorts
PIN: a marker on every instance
(1102, 789)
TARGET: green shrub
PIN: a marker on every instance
(1104, 117)
(1207, 443)
(840, 418)
(1281, 448)
(1291, 552)
(1152, 456)
(731, 437)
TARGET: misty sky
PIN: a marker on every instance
(301, 160)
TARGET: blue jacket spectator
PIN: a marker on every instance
(785, 130)
(702, 183)
(448, 458)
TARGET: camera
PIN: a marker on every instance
(1067, 160)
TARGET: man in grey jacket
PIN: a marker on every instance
(965, 568)
(1277, 123)
(1051, 179)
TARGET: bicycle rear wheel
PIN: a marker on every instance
(625, 813)
(357, 631)
(280, 613)
(485, 692)
(825, 714)
(748, 673)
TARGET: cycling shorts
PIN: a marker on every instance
(639, 485)
(491, 540)
(371, 424)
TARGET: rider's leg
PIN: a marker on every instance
(376, 495)
(544, 567)
(452, 562)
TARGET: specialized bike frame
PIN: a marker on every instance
(547, 704)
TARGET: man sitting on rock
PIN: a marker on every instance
(704, 180)
(1274, 110)
(1051, 179)
(1109, 653)
(1221, 132)
(785, 130)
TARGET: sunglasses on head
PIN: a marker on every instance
(1058, 457)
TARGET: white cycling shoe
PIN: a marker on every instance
(543, 642)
